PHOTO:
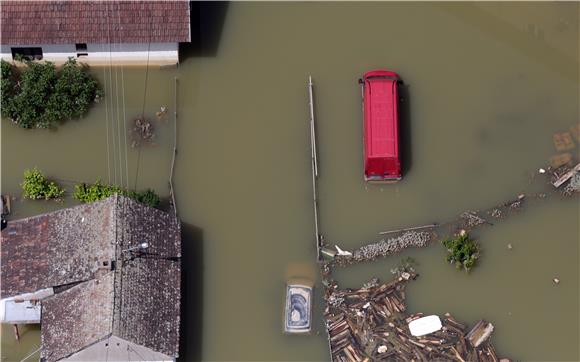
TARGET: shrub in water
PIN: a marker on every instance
(36, 186)
(98, 191)
(462, 251)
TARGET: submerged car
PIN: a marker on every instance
(380, 92)
(298, 311)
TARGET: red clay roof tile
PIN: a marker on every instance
(69, 22)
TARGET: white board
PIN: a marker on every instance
(425, 325)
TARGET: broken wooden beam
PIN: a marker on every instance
(565, 177)
(480, 333)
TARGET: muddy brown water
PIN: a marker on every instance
(488, 85)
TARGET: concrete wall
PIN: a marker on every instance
(105, 54)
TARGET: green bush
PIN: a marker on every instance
(462, 251)
(98, 191)
(147, 197)
(36, 186)
(41, 97)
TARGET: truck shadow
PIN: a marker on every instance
(192, 268)
(405, 123)
(206, 23)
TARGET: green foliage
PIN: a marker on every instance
(36, 186)
(147, 197)
(462, 251)
(98, 191)
(7, 87)
(40, 97)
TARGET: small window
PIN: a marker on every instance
(27, 53)
(81, 47)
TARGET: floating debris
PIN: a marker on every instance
(341, 252)
(162, 114)
(556, 281)
(480, 333)
(371, 324)
(560, 176)
(142, 132)
(5, 204)
(471, 219)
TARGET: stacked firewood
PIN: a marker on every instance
(371, 324)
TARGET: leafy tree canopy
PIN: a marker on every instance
(39, 96)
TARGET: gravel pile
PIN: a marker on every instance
(392, 246)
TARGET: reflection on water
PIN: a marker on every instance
(485, 95)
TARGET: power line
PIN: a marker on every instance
(144, 97)
(124, 115)
(111, 90)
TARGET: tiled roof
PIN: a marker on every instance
(147, 290)
(76, 318)
(70, 22)
(62, 247)
(138, 301)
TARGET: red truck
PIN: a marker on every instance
(382, 162)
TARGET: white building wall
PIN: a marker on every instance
(105, 54)
(117, 349)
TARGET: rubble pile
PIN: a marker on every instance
(370, 324)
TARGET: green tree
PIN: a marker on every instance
(41, 97)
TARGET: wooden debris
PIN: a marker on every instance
(480, 333)
(5, 206)
(565, 177)
(370, 324)
(563, 141)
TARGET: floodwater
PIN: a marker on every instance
(488, 84)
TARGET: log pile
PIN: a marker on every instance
(371, 324)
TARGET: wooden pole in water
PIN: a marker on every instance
(174, 147)
(409, 229)
(314, 166)
(16, 332)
